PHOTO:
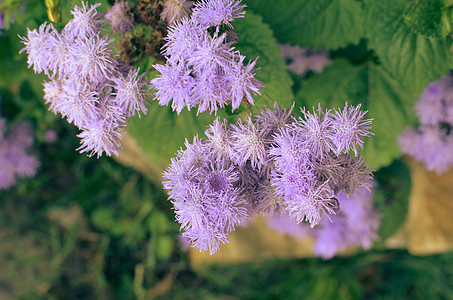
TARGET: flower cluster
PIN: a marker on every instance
(15, 160)
(201, 66)
(269, 164)
(88, 85)
(301, 60)
(356, 224)
(432, 142)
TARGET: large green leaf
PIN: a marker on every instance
(325, 24)
(411, 58)
(389, 104)
(162, 132)
(256, 40)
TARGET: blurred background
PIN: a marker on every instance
(74, 227)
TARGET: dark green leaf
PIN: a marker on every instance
(411, 58)
(428, 17)
(325, 24)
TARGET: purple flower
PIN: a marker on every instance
(120, 17)
(38, 45)
(350, 127)
(86, 22)
(207, 199)
(182, 39)
(93, 59)
(130, 92)
(301, 60)
(219, 137)
(242, 82)
(248, 145)
(318, 130)
(15, 159)
(88, 84)
(174, 83)
(175, 10)
(432, 142)
(213, 74)
(98, 137)
(267, 166)
(209, 13)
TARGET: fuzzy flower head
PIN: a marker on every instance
(215, 12)
(350, 127)
(120, 17)
(86, 22)
(130, 92)
(216, 74)
(38, 45)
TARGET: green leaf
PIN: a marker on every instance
(256, 40)
(411, 58)
(428, 18)
(392, 197)
(388, 104)
(324, 24)
(162, 132)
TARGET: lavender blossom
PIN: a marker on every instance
(86, 22)
(120, 17)
(15, 159)
(203, 66)
(37, 46)
(301, 60)
(432, 142)
(355, 224)
(88, 84)
(272, 164)
(215, 12)
(205, 193)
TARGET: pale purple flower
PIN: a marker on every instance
(173, 83)
(248, 144)
(77, 103)
(350, 127)
(301, 60)
(88, 85)
(130, 92)
(175, 10)
(99, 137)
(93, 59)
(215, 12)
(213, 74)
(219, 137)
(432, 142)
(38, 45)
(15, 160)
(266, 166)
(242, 82)
(207, 199)
(319, 131)
(182, 39)
(120, 17)
(271, 120)
(86, 22)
